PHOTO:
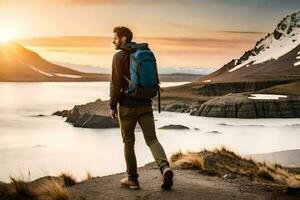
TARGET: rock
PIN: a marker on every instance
(63, 113)
(91, 121)
(39, 115)
(174, 126)
(213, 132)
(224, 124)
(240, 106)
(277, 35)
(229, 176)
(90, 115)
(177, 107)
(294, 125)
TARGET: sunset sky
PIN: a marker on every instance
(196, 33)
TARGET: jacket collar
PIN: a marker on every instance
(133, 46)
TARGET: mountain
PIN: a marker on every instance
(274, 57)
(270, 72)
(20, 64)
(23, 65)
(162, 70)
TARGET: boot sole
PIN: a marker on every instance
(132, 187)
(167, 180)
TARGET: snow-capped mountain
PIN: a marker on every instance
(276, 56)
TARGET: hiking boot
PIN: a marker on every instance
(130, 184)
(167, 178)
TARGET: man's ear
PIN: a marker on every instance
(123, 40)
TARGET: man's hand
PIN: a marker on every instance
(114, 113)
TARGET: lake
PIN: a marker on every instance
(48, 145)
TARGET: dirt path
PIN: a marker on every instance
(188, 184)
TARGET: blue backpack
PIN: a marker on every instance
(143, 81)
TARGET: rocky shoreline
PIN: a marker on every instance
(193, 98)
(240, 106)
(90, 115)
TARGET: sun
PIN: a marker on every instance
(6, 37)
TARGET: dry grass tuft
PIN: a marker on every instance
(52, 189)
(265, 174)
(189, 160)
(224, 150)
(222, 161)
(18, 189)
(21, 189)
(89, 176)
(6, 191)
(68, 179)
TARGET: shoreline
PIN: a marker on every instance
(190, 182)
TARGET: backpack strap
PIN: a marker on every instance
(158, 90)
(158, 98)
(130, 82)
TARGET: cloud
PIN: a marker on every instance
(198, 28)
(242, 32)
(177, 25)
(89, 41)
(93, 2)
(274, 4)
(130, 2)
(206, 51)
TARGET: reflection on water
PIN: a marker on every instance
(47, 145)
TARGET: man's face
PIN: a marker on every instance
(118, 42)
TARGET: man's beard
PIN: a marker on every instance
(118, 45)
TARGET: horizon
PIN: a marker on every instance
(170, 52)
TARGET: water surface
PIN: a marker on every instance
(47, 145)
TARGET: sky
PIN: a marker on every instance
(197, 33)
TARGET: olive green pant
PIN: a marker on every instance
(128, 117)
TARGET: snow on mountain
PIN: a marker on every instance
(67, 75)
(40, 71)
(50, 74)
(298, 58)
(285, 37)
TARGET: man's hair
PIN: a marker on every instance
(123, 31)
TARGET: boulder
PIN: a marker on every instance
(174, 126)
(90, 115)
(240, 106)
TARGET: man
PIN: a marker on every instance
(130, 111)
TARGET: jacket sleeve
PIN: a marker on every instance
(116, 80)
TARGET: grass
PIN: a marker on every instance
(22, 189)
(46, 188)
(19, 189)
(52, 189)
(265, 174)
(68, 179)
(190, 160)
(222, 161)
(89, 176)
